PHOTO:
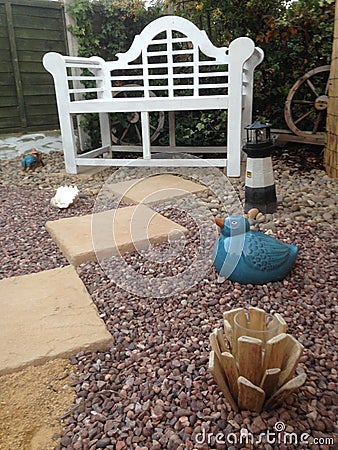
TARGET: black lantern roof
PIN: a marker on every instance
(258, 125)
(258, 136)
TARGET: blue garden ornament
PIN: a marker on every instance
(28, 161)
(248, 256)
(32, 160)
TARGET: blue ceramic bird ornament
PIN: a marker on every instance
(249, 256)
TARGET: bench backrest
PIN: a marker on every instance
(170, 58)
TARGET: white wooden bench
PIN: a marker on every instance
(171, 66)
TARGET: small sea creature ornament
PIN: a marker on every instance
(32, 160)
(249, 256)
(65, 196)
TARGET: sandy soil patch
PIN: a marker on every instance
(31, 404)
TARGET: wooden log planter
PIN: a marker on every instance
(253, 360)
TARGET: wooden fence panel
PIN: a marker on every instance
(28, 29)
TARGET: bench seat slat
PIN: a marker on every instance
(149, 104)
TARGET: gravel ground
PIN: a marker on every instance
(152, 389)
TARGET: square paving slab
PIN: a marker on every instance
(111, 232)
(47, 315)
(155, 188)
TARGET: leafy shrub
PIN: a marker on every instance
(295, 36)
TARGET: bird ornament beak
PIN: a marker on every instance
(219, 222)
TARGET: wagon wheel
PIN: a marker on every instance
(306, 105)
(126, 127)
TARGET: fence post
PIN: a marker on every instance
(73, 47)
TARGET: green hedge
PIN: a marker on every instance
(295, 39)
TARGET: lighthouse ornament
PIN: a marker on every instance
(260, 189)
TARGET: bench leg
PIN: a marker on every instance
(83, 136)
(68, 141)
(145, 135)
(105, 131)
(172, 129)
(234, 145)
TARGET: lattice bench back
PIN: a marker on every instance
(172, 63)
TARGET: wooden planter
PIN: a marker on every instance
(253, 374)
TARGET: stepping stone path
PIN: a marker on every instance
(47, 315)
(50, 314)
(116, 231)
(154, 189)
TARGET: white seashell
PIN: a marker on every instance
(65, 196)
